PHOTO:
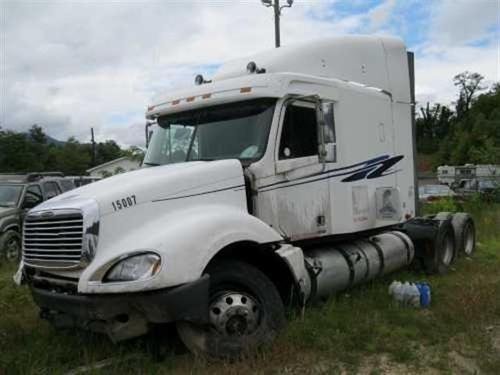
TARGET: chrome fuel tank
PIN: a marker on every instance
(343, 265)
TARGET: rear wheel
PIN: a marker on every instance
(440, 253)
(10, 246)
(465, 233)
(245, 312)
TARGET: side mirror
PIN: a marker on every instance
(148, 132)
(330, 152)
(30, 202)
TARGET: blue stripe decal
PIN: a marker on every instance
(370, 169)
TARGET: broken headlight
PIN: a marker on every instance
(134, 268)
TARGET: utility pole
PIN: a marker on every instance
(93, 146)
(277, 14)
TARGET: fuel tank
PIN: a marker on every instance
(344, 265)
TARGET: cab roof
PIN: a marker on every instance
(23, 178)
(370, 61)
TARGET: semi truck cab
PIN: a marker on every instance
(284, 178)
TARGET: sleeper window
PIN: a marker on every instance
(299, 135)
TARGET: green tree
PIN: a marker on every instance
(107, 151)
(469, 84)
(37, 135)
(433, 124)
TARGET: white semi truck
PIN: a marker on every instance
(285, 178)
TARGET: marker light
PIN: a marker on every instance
(199, 80)
(251, 67)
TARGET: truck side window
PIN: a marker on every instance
(35, 193)
(299, 136)
(51, 189)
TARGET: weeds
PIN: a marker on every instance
(361, 330)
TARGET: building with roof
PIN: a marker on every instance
(120, 165)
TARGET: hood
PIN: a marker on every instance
(151, 184)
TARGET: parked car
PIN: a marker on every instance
(427, 193)
(18, 194)
(485, 187)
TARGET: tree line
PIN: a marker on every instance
(33, 151)
(468, 131)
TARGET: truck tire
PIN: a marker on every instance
(440, 252)
(449, 216)
(10, 246)
(245, 312)
(465, 233)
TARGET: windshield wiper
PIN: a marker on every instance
(151, 164)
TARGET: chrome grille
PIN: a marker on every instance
(53, 239)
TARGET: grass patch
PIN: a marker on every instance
(360, 330)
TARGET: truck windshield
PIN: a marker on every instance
(237, 130)
(9, 195)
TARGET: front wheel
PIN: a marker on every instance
(10, 246)
(245, 312)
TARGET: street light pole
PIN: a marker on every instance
(277, 14)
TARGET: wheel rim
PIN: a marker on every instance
(468, 239)
(447, 250)
(12, 249)
(234, 314)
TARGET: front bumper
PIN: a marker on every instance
(127, 315)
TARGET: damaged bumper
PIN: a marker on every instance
(123, 316)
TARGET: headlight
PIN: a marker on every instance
(136, 267)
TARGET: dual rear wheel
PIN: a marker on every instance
(455, 237)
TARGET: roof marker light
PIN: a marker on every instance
(253, 68)
(199, 80)
(190, 99)
(175, 102)
(206, 96)
(245, 89)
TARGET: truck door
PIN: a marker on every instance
(302, 197)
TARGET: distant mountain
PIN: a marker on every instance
(53, 141)
(50, 140)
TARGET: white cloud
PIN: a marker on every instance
(69, 65)
(379, 15)
(436, 68)
(463, 35)
(460, 21)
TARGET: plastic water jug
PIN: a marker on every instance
(425, 293)
(416, 295)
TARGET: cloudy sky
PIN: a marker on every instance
(68, 65)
